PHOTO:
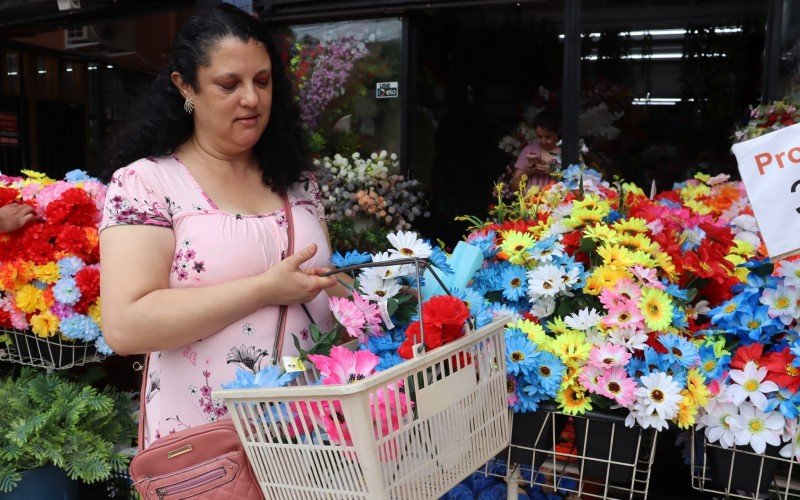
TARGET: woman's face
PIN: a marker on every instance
(234, 96)
(547, 138)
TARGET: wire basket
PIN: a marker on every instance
(413, 431)
(739, 472)
(52, 353)
(601, 458)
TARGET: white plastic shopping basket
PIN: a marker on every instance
(411, 432)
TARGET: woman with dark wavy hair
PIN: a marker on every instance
(194, 229)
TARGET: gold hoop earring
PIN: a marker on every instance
(188, 105)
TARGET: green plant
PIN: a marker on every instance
(345, 236)
(49, 419)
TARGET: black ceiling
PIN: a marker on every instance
(28, 17)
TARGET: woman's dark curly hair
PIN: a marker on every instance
(157, 124)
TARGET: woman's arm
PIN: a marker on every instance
(140, 313)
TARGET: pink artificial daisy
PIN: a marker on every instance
(616, 384)
(348, 315)
(624, 316)
(372, 316)
(623, 291)
(648, 276)
(344, 366)
(608, 356)
(390, 407)
(590, 376)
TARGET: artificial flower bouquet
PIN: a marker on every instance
(49, 269)
(605, 284)
(371, 188)
(766, 118)
(753, 364)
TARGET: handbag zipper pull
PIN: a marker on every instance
(161, 493)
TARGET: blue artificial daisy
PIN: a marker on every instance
(710, 365)
(269, 376)
(678, 372)
(80, 327)
(674, 290)
(529, 398)
(66, 291)
(69, 266)
(486, 243)
(472, 298)
(679, 317)
(549, 371)
(612, 217)
(636, 368)
(726, 311)
(351, 258)
(439, 260)
(692, 238)
(755, 323)
(786, 402)
(388, 360)
(521, 355)
(515, 283)
(484, 317)
(653, 361)
(679, 350)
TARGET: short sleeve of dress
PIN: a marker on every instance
(311, 194)
(135, 198)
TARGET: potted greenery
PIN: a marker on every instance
(53, 426)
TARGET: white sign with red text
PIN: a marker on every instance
(770, 169)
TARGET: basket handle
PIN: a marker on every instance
(418, 264)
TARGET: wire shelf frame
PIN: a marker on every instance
(604, 459)
(723, 471)
(53, 353)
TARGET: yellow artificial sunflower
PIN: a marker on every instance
(643, 259)
(632, 225)
(615, 256)
(515, 245)
(687, 411)
(603, 233)
(637, 241)
(44, 324)
(47, 273)
(609, 275)
(696, 387)
(633, 189)
(534, 331)
(557, 326)
(594, 286)
(584, 217)
(573, 401)
(571, 347)
(664, 261)
(741, 273)
(30, 299)
(743, 248)
(656, 307)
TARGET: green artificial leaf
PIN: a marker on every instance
(588, 245)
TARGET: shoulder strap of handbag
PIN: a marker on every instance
(279, 334)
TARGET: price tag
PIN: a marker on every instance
(293, 364)
(384, 312)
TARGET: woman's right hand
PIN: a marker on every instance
(289, 284)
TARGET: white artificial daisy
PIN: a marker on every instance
(659, 394)
(387, 272)
(631, 338)
(543, 306)
(782, 302)
(792, 448)
(583, 320)
(376, 288)
(408, 244)
(544, 281)
(791, 272)
(755, 428)
(647, 419)
(569, 277)
(717, 428)
(543, 254)
(750, 384)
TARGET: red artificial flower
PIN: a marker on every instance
(780, 370)
(5, 319)
(744, 354)
(71, 239)
(7, 195)
(74, 206)
(88, 282)
(37, 242)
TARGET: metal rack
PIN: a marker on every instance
(604, 459)
(49, 353)
(720, 470)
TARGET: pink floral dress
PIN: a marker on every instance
(213, 246)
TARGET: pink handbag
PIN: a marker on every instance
(206, 462)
